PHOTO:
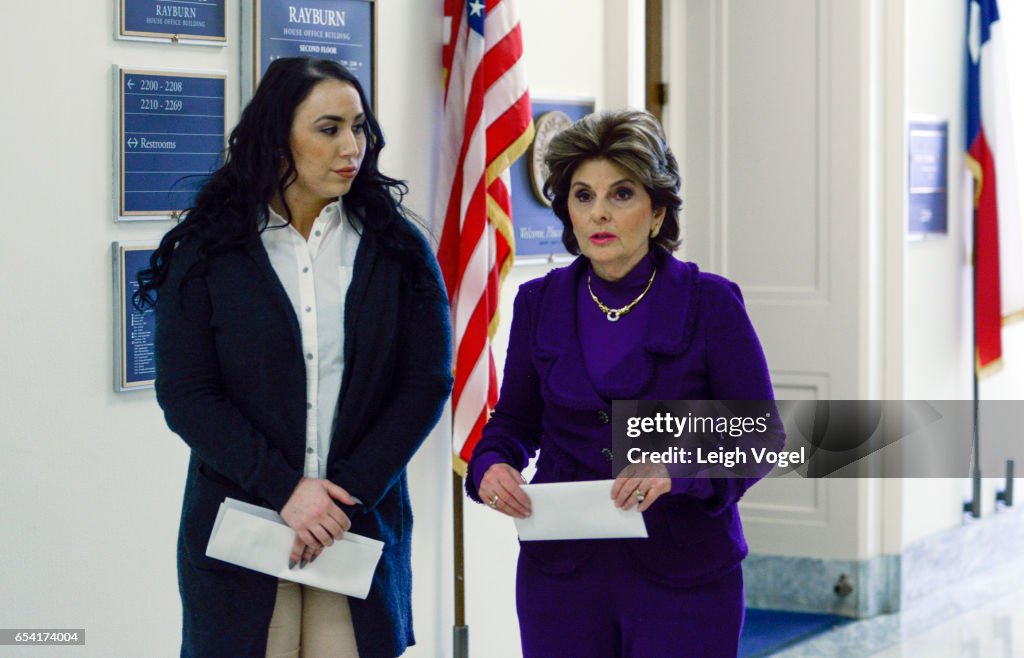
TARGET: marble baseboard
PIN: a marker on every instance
(968, 613)
(808, 584)
(887, 583)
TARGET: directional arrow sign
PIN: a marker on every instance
(171, 136)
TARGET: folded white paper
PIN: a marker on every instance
(577, 510)
(258, 539)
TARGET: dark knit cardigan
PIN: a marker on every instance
(232, 383)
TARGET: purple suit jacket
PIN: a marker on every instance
(700, 346)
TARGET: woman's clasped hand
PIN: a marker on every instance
(316, 520)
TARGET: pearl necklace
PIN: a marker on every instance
(613, 314)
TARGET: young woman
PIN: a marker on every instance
(303, 353)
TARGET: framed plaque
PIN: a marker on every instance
(342, 30)
(134, 330)
(538, 232)
(927, 190)
(169, 137)
(196, 22)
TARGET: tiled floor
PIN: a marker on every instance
(983, 618)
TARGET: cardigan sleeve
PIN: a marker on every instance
(737, 370)
(512, 434)
(423, 386)
(190, 391)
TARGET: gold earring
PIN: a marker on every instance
(654, 231)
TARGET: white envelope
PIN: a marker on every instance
(257, 538)
(577, 510)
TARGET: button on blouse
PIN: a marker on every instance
(315, 274)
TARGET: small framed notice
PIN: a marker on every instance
(169, 137)
(927, 189)
(195, 22)
(134, 329)
(342, 30)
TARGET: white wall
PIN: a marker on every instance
(91, 480)
(937, 343)
(624, 53)
(936, 332)
(409, 109)
(937, 339)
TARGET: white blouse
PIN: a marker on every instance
(316, 275)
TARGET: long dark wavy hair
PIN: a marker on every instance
(230, 209)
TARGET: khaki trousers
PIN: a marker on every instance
(310, 623)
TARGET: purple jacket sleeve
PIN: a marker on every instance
(512, 434)
(737, 370)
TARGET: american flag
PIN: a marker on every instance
(999, 237)
(487, 125)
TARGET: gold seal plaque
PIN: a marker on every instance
(548, 125)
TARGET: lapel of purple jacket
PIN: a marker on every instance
(675, 297)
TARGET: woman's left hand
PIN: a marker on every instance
(640, 483)
(316, 520)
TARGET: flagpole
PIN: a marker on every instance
(482, 140)
(460, 632)
(973, 506)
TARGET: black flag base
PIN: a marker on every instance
(973, 506)
(460, 641)
(1006, 495)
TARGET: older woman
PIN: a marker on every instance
(626, 320)
(303, 354)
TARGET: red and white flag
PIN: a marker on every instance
(487, 125)
(998, 246)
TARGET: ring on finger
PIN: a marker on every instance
(493, 502)
(640, 495)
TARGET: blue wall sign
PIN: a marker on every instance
(136, 357)
(538, 232)
(927, 193)
(171, 138)
(341, 30)
(173, 20)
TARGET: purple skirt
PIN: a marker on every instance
(610, 608)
